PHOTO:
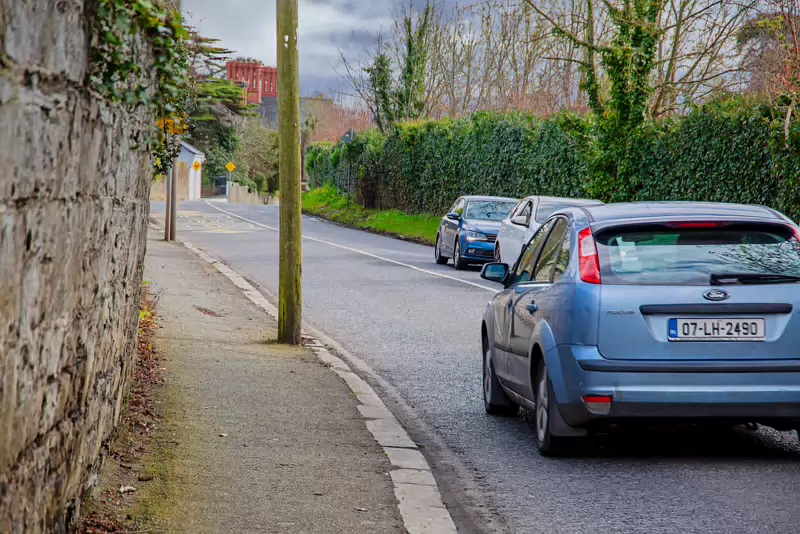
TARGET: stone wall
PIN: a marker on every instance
(73, 212)
(239, 194)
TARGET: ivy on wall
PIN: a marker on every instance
(122, 30)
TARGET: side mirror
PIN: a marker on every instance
(519, 220)
(495, 272)
(453, 216)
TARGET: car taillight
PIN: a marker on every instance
(589, 261)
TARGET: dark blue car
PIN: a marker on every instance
(469, 230)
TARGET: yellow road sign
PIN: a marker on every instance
(197, 166)
(230, 166)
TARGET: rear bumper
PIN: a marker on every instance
(477, 251)
(735, 390)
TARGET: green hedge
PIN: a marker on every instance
(724, 152)
(729, 151)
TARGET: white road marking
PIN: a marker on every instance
(357, 251)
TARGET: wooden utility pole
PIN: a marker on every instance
(291, 283)
(167, 218)
(172, 198)
(173, 201)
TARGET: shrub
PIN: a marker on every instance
(260, 181)
(732, 150)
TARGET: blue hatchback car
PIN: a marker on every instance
(656, 312)
(468, 232)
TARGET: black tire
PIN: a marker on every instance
(497, 257)
(437, 252)
(458, 263)
(495, 400)
(548, 444)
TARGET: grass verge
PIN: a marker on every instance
(328, 203)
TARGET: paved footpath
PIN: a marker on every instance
(264, 437)
(416, 325)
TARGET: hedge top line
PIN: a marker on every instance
(731, 150)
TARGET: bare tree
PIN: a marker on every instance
(544, 56)
(330, 118)
(494, 54)
(698, 52)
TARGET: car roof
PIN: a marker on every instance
(481, 197)
(644, 211)
(565, 200)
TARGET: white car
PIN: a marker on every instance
(523, 221)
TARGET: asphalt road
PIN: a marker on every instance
(417, 325)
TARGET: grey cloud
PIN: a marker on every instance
(360, 9)
(353, 40)
(326, 26)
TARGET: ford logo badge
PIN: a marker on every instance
(716, 294)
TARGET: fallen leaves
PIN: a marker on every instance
(110, 511)
(206, 311)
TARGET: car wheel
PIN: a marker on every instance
(495, 400)
(458, 263)
(437, 252)
(548, 444)
(497, 253)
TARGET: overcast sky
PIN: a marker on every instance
(326, 26)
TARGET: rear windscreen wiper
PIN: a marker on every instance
(720, 279)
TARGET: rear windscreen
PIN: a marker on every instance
(546, 208)
(663, 255)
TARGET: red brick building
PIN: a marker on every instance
(259, 80)
(261, 85)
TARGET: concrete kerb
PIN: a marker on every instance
(419, 500)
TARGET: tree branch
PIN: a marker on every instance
(563, 31)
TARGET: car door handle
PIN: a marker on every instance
(533, 308)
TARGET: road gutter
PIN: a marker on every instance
(419, 500)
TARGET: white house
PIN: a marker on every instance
(189, 156)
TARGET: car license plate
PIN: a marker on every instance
(716, 330)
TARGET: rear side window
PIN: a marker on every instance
(547, 262)
(563, 258)
(524, 271)
(734, 253)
